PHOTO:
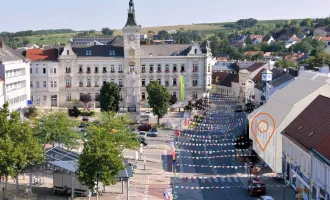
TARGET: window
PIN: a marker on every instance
(167, 68)
(45, 98)
(81, 83)
(151, 68)
(182, 67)
(195, 67)
(159, 68)
(112, 53)
(112, 80)
(104, 81)
(143, 96)
(38, 84)
(120, 68)
(143, 68)
(68, 97)
(67, 52)
(88, 52)
(174, 94)
(174, 81)
(44, 70)
(51, 84)
(195, 82)
(195, 51)
(104, 69)
(38, 101)
(68, 83)
(67, 69)
(89, 83)
(159, 81)
(80, 69)
(30, 70)
(120, 82)
(96, 70)
(166, 83)
(194, 95)
(44, 84)
(54, 70)
(143, 82)
(208, 68)
(96, 82)
(55, 84)
(112, 68)
(88, 70)
(131, 68)
(31, 84)
(174, 67)
(36, 70)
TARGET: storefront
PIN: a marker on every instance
(299, 182)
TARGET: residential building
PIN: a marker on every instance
(256, 39)
(322, 32)
(326, 40)
(83, 69)
(2, 89)
(222, 82)
(306, 154)
(225, 66)
(14, 71)
(283, 111)
(44, 75)
(89, 40)
(268, 39)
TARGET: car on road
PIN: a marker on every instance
(153, 132)
(145, 127)
(256, 187)
(143, 134)
(266, 198)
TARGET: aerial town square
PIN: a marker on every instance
(216, 100)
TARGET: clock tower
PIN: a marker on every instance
(132, 66)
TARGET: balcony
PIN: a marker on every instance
(68, 86)
(80, 72)
(104, 71)
(68, 71)
(89, 85)
(143, 85)
(182, 71)
(120, 71)
(151, 71)
(88, 72)
(112, 71)
(195, 85)
(174, 85)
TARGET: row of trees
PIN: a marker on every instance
(38, 32)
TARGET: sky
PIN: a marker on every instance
(16, 15)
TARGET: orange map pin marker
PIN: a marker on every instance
(261, 125)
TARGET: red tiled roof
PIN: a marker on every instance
(252, 53)
(294, 56)
(321, 38)
(311, 128)
(42, 54)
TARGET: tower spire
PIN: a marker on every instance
(131, 21)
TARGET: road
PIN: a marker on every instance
(207, 163)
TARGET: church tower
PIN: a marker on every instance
(132, 66)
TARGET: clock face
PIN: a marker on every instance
(132, 37)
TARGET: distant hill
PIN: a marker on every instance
(207, 29)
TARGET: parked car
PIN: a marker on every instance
(266, 198)
(148, 113)
(145, 127)
(256, 187)
(153, 132)
(142, 134)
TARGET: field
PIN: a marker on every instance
(207, 29)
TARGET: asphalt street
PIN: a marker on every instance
(207, 168)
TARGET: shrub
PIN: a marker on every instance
(87, 113)
(30, 112)
(74, 111)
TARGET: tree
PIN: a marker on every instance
(74, 111)
(158, 98)
(163, 35)
(102, 159)
(110, 97)
(85, 98)
(286, 64)
(306, 22)
(56, 127)
(18, 146)
(31, 112)
(248, 40)
(320, 59)
(107, 31)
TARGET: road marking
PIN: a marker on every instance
(216, 180)
(222, 179)
(235, 179)
(229, 179)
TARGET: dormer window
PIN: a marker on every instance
(112, 53)
(88, 52)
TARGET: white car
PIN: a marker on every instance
(143, 134)
(266, 198)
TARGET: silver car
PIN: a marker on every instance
(153, 132)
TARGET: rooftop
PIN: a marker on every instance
(165, 50)
(8, 54)
(311, 127)
(217, 77)
(228, 79)
(42, 54)
(255, 66)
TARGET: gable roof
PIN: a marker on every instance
(311, 127)
(266, 38)
(42, 54)
(217, 77)
(165, 50)
(99, 51)
(255, 66)
(326, 39)
(258, 76)
(259, 37)
(228, 79)
(280, 80)
(8, 54)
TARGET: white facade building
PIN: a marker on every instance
(85, 69)
(2, 97)
(14, 71)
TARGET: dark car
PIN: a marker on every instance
(256, 187)
(143, 141)
(145, 127)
